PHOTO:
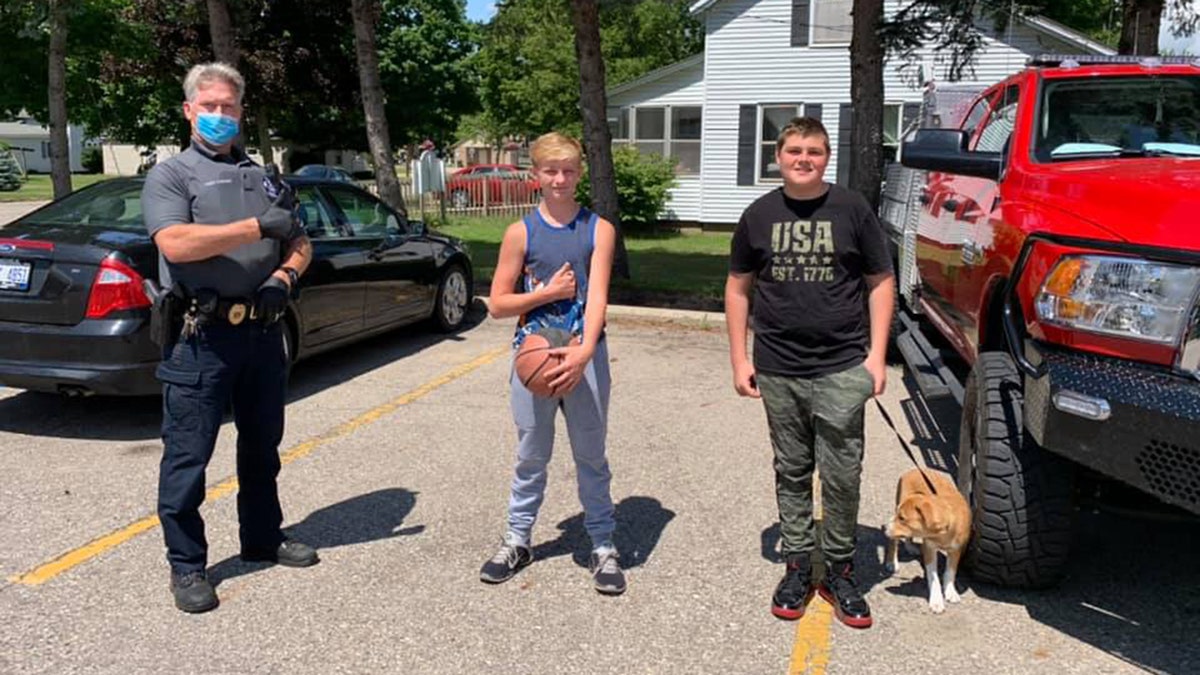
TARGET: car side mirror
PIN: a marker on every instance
(945, 150)
(417, 227)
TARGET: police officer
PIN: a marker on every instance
(232, 249)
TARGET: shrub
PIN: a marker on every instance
(643, 182)
(92, 160)
(10, 171)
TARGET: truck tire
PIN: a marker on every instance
(1022, 510)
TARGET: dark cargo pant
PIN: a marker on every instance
(244, 365)
(817, 422)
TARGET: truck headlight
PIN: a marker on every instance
(1124, 297)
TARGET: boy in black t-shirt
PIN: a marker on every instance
(808, 251)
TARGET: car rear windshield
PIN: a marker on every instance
(109, 205)
(1132, 116)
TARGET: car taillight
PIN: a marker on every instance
(117, 286)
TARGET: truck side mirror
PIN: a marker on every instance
(945, 150)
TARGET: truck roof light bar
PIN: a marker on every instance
(1077, 60)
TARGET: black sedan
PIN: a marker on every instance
(74, 317)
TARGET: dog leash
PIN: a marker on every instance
(904, 444)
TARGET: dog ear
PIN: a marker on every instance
(930, 515)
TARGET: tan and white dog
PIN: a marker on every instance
(941, 521)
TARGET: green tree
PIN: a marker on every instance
(366, 16)
(426, 60)
(529, 71)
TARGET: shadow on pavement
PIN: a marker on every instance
(1131, 591)
(869, 554)
(371, 517)
(1131, 588)
(140, 418)
(934, 427)
(640, 524)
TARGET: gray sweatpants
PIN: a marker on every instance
(586, 412)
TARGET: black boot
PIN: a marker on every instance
(193, 593)
(841, 590)
(795, 589)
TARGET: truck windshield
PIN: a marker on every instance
(1132, 116)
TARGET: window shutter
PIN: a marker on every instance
(800, 24)
(908, 115)
(845, 155)
(813, 110)
(747, 137)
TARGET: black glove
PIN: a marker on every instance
(279, 221)
(271, 300)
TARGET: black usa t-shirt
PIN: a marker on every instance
(809, 259)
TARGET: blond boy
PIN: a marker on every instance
(553, 273)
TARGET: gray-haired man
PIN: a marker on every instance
(232, 248)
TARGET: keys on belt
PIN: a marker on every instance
(201, 310)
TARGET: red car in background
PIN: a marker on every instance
(491, 184)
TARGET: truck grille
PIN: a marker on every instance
(1171, 470)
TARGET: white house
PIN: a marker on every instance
(717, 114)
(30, 142)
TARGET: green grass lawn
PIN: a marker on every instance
(684, 269)
(38, 187)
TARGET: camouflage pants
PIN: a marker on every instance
(817, 422)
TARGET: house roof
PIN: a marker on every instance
(1039, 23)
(18, 130)
(658, 74)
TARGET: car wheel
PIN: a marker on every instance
(460, 199)
(453, 297)
(1020, 494)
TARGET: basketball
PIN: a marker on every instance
(534, 360)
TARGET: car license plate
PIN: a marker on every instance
(14, 275)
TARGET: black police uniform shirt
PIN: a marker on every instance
(200, 186)
(809, 258)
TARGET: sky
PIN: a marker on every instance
(480, 10)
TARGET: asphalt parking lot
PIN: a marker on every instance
(398, 455)
(397, 461)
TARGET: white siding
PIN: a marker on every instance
(684, 86)
(681, 87)
(748, 60)
(684, 203)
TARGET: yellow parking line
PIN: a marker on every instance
(66, 561)
(810, 653)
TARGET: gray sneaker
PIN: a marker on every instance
(509, 559)
(606, 571)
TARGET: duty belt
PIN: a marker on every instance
(233, 311)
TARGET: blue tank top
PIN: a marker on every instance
(547, 247)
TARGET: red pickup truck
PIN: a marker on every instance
(1047, 232)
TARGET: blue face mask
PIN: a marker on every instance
(215, 128)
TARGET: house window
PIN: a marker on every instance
(670, 131)
(772, 120)
(831, 22)
(650, 131)
(893, 130)
(685, 139)
(45, 149)
(618, 123)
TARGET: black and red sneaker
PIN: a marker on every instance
(795, 589)
(840, 590)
